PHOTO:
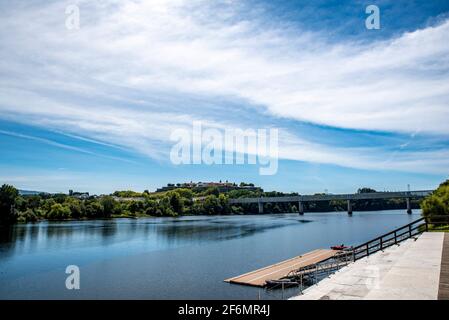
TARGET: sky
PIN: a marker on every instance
(93, 108)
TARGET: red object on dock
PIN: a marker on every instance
(341, 247)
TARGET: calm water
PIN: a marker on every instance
(164, 258)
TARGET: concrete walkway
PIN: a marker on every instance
(408, 271)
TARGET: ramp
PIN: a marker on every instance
(280, 270)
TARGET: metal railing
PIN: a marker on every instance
(397, 236)
(312, 273)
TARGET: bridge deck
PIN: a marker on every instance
(330, 197)
(280, 270)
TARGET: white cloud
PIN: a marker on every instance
(105, 80)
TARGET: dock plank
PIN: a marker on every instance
(280, 270)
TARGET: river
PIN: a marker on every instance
(171, 258)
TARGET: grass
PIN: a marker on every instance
(433, 228)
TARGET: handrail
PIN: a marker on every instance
(396, 236)
(390, 233)
(388, 239)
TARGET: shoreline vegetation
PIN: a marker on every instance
(173, 203)
(435, 208)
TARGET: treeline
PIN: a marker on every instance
(26, 208)
(436, 206)
(60, 206)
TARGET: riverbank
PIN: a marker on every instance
(177, 202)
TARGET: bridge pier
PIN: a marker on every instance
(349, 207)
(300, 208)
(409, 206)
(260, 207)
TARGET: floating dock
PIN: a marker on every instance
(280, 270)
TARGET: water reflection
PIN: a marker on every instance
(177, 229)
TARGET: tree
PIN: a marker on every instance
(58, 211)
(176, 203)
(28, 216)
(185, 193)
(223, 199)
(135, 206)
(366, 190)
(33, 202)
(8, 196)
(211, 205)
(151, 208)
(94, 209)
(212, 191)
(437, 204)
(108, 204)
(76, 207)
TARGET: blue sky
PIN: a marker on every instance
(92, 109)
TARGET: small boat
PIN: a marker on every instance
(340, 247)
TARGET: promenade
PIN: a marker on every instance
(416, 269)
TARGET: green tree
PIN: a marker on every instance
(151, 208)
(58, 211)
(176, 203)
(108, 204)
(437, 204)
(28, 216)
(33, 202)
(8, 196)
(76, 207)
(212, 191)
(224, 203)
(212, 205)
(94, 209)
(185, 193)
(365, 190)
(135, 206)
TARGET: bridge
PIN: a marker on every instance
(301, 199)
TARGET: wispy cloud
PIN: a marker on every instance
(137, 70)
(60, 145)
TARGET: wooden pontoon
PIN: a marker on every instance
(259, 278)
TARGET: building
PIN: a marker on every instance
(201, 186)
(79, 195)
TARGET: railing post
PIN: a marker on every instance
(410, 231)
(427, 225)
(381, 243)
(395, 238)
(367, 249)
